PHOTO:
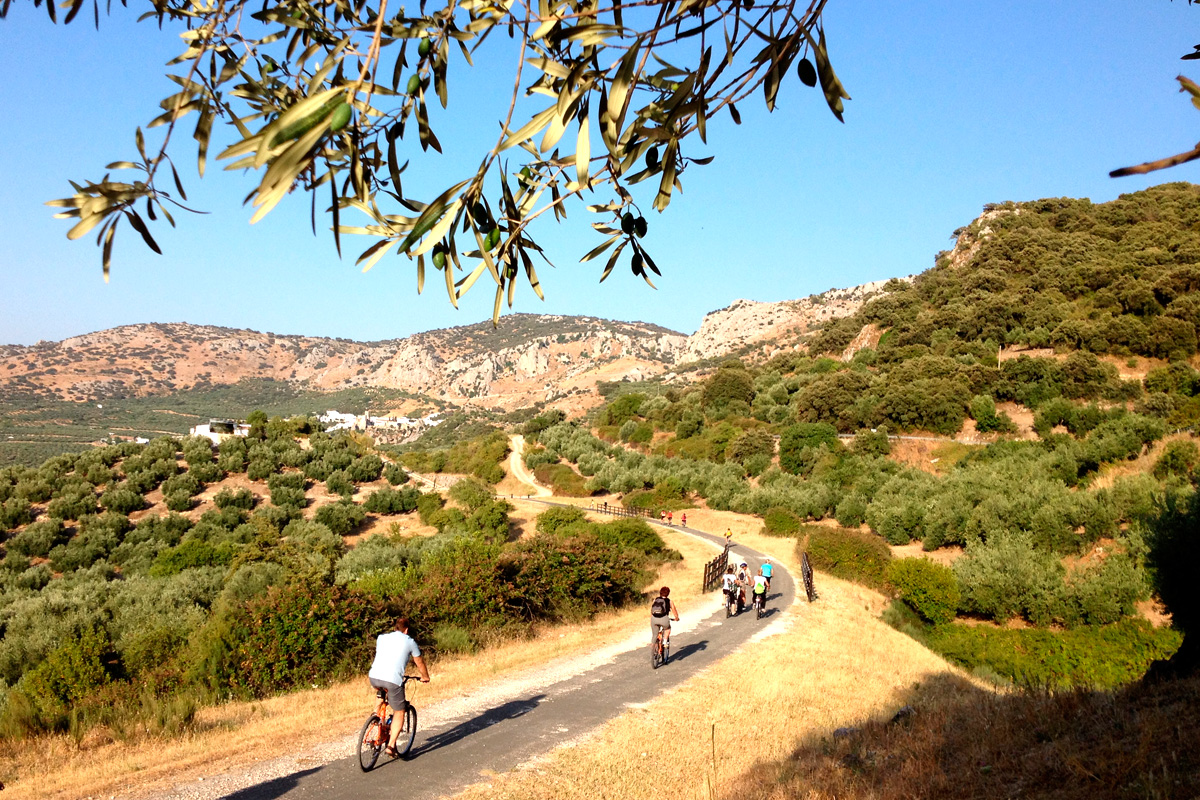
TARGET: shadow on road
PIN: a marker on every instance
(510, 710)
(688, 650)
(273, 788)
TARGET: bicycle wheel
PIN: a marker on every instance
(758, 607)
(656, 655)
(666, 656)
(370, 743)
(404, 742)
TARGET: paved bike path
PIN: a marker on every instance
(447, 759)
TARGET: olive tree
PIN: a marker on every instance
(326, 97)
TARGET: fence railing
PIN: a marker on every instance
(621, 511)
(714, 569)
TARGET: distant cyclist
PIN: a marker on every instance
(728, 538)
(767, 569)
(392, 651)
(661, 611)
(683, 519)
(760, 589)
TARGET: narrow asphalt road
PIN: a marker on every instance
(446, 760)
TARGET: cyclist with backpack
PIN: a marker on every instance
(729, 586)
(661, 611)
(760, 589)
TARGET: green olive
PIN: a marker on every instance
(639, 226)
(439, 259)
(424, 47)
(627, 222)
(414, 83)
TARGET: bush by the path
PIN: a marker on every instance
(929, 589)
(847, 554)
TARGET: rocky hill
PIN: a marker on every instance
(529, 358)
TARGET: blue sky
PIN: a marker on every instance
(954, 105)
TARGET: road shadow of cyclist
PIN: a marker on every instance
(689, 649)
(272, 789)
(507, 711)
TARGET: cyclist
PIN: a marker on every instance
(661, 611)
(729, 585)
(392, 651)
(743, 581)
(683, 519)
(670, 518)
(767, 569)
(728, 538)
(760, 588)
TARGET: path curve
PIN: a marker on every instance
(448, 758)
(516, 465)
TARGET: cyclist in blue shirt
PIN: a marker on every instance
(392, 652)
(767, 569)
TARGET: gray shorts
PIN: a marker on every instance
(395, 693)
(659, 623)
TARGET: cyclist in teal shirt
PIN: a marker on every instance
(767, 569)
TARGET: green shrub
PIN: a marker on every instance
(259, 469)
(391, 501)
(300, 634)
(395, 474)
(73, 505)
(227, 498)
(184, 482)
(14, 512)
(851, 510)
(69, 674)
(122, 500)
(39, 539)
(288, 496)
(1008, 576)
(1179, 458)
(563, 480)
(179, 501)
(471, 493)
(636, 534)
(555, 518)
(1099, 657)
(365, 469)
(190, 554)
(340, 517)
(847, 554)
(801, 437)
(428, 505)
(665, 496)
(781, 522)
(929, 589)
(339, 482)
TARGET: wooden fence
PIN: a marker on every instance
(714, 569)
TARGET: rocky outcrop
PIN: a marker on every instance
(747, 323)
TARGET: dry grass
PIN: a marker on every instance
(237, 734)
(829, 664)
(963, 742)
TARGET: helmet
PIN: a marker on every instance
(742, 564)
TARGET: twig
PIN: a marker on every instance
(1162, 163)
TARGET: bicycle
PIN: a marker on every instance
(760, 605)
(730, 603)
(660, 651)
(378, 728)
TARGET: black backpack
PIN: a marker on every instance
(660, 607)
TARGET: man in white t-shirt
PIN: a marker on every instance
(392, 652)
